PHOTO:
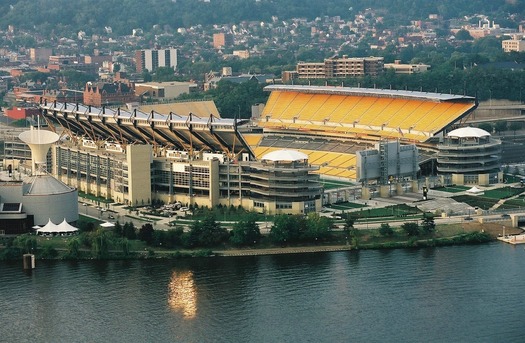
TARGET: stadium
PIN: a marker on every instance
(202, 159)
(331, 124)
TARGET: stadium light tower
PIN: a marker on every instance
(39, 141)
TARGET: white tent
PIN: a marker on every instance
(107, 225)
(66, 227)
(53, 229)
(475, 190)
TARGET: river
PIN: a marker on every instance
(445, 294)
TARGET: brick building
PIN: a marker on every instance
(340, 68)
(221, 40)
(117, 93)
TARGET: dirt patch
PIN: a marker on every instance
(494, 229)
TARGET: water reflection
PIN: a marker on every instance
(182, 296)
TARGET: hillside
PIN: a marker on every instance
(66, 17)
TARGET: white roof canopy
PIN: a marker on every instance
(468, 132)
(285, 155)
(51, 227)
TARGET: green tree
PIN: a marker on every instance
(163, 74)
(486, 126)
(100, 241)
(118, 230)
(26, 243)
(168, 239)
(206, 233)
(287, 229)
(463, 35)
(129, 231)
(146, 233)
(386, 230)
(500, 126)
(85, 226)
(349, 224)
(351, 232)
(124, 243)
(515, 126)
(77, 79)
(48, 252)
(245, 232)
(411, 228)
(146, 76)
(317, 228)
(73, 248)
(428, 225)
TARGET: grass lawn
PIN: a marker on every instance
(331, 184)
(452, 189)
(514, 203)
(512, 178)
(229, 214)
(345, 206)
(94, 198)
(57, 242)
(390, 211)
(502, 193)
(476, 201)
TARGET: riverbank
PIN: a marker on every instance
(462, 239)
(471, 233)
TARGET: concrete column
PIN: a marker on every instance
(384, 191)
(399, 189)
(415, 186)
(365, 193)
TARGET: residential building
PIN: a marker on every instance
(401, 68)
(242, 54)
(221, 40)
(39, 55)
(151, 59)
(164, 90)
(517, 45)
(340, 67)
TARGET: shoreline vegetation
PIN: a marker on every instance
(59, 248)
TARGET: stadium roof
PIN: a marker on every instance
(183, 132)
(368, 91)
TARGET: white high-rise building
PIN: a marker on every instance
(151, 59)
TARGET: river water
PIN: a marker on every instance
(446, 294)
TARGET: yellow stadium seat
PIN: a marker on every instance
(252, 139)
(293, 110)
(344, 112)
(279, 104)
(403, 113)
(372, 116)
(314, 106)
